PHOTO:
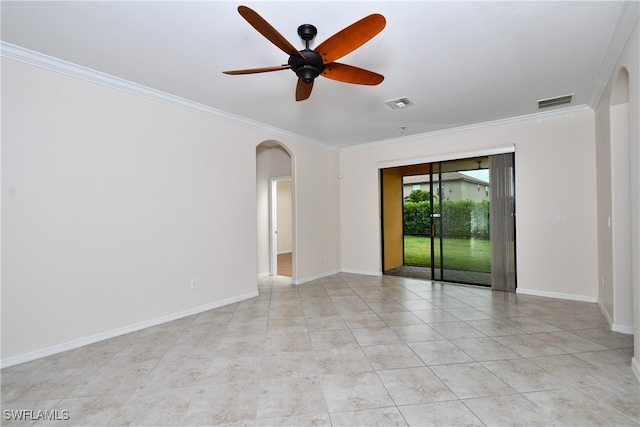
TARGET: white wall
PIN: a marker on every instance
(555, 159)
(284, 216)
(112, 203)
(316, 220)
(262, 209)
(615, 300)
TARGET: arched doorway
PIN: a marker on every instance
(275, 200)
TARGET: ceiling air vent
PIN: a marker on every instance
(399, 103)
(552, 102)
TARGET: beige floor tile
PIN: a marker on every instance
(88, 411)
(530, 325)
(390, 356)
(356, 391)
(528, 346)
(352, 350)
(416, 333)
(456, 330)
(523, 375)
(288, 397)
(382, 417)
(468, 313)
(367, 319)
(112, 380)
(154, 407)
(418, 305)
(415, 385)
(320, 322)
(342, 361)
(337, 338)
(493, 327)
(375, 336)
(614, 361)
(469, 380)
(573, 407)
(574, 371)
(441, 414)
(624, 397)
(439, 352)
(294, 341)
(482, 349)
(511, 410)
(223, 370)
(293, 364)
(569, 342)
(223, 404)
(385, 305)
(322, 420)
(606, 338)
(435, 316)
(49, 384)
(399, 318)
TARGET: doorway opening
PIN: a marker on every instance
(451, 221)
(275, 200)
(281, 227)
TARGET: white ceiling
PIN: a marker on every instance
(460, 63)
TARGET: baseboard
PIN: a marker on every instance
(606, 315)
(363, 272)
(318, 276)
(623, 329)
(70, 345)
(635, 366)
(570, 297)
(263, 275)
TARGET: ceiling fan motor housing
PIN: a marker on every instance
(307, 68)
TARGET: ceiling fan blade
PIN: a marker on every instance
(264, 28)
(303, 90)
(257, 70)
(350, 74)
(350, 38)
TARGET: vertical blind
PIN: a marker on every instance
(502, 213)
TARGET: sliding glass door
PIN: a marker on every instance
(457, 221)
(460, 241)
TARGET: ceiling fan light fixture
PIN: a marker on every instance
(307, 73)
(398, 103)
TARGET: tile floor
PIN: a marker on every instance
(347, 350)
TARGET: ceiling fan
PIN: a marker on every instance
(309, 64)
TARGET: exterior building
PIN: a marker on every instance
(455, 185)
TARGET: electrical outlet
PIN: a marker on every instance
(557, 221)
(194, 283)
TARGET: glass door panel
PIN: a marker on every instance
(436, 221)
(464, 236)
(445, 221)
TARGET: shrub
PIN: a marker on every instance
(464, 218)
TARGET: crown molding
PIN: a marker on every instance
(501, 122)
(621, 34)
(57, 65)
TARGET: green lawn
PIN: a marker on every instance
(459, 254)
